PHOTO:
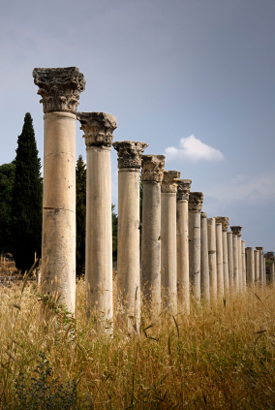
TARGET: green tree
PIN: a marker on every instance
(27, 199)
(80, 215)
(7, 175)
(114, 227)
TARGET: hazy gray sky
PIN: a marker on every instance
(193, 78)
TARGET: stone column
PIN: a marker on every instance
(60, 89)
(243, 264)
(230, 260)
(236, 257)
(264, 270)
(261, 252)
(250, 266)
(195, 206)
(219, 250)
(212, 256)
(128, 247)
(257, 266)
(98, 130)
(272, 260)
(183, 192)
(205, 292)
(224, 220)
(151, 176)
(169, 239)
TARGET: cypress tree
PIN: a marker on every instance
(80, 216)
(27, 199)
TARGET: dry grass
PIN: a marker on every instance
(215, 358)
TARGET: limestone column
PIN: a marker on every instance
(60, 89)
(243, 264)
(236, 257)
(271, 267)
(205, 292)
(257, 266)
(224, 220)
(169, 239)
(230, 260)
(212, 256)
(151, 177)
(261, 252)
(98, 130)
(264, 270)
(195, 206)
(183, 192)
(219, 250)
(128, 247)
(250, 266)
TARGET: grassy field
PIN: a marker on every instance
(215, 358)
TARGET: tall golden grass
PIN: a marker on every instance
(218, 357)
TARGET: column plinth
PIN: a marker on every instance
(60, 89)
(98, 130)
(169, 239)
(184, 186)
(194, 208)
(128, 254)
(151, 176)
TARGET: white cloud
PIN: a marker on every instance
(193, 149)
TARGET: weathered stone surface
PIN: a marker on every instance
(98, 128)
(195, 201)
(184, 186)
(170, 182)
(152, 167)
(59, 88)
(259, 248)
(129, 153)
(236, 230)
(204, 258)
(224, 220)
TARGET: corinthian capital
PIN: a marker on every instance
(129, 153)
(170, 182)
(224, 220)
(98, 128)
(195, 201)
(236, 230)
(184, 186)
(59, 88)
(152, 167)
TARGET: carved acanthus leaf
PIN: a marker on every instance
(170, 182)
(195, 201)
(59, 88)
(98, 128)
(224, 220)
(184, 186)
(129, 153)
(236, 230)
(152, 167)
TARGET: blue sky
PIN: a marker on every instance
(192, 78)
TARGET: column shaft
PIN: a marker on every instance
(230, 260)
(183, 245)
(219, 250)
(151, 176)
(212, 255)
(169, 239)
(250, 266)
(195, 205)
(240, 266)
(205, 292)
(243, 265)
(98, 276)
(235, 263)
(257, 267)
